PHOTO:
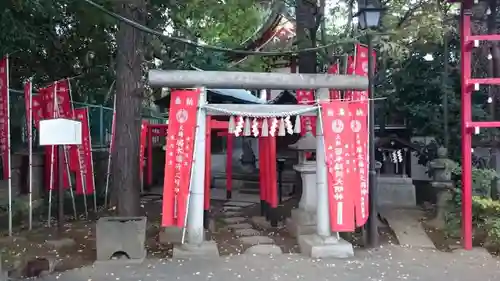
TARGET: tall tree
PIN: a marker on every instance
(308, 17)
(129, 95)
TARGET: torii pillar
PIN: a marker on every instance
(323, 243)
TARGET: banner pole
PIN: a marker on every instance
(110, 151)
(78, 155)
(30, 151)
(92, 164)
(66, 155)
(51, 181)
(9, 160)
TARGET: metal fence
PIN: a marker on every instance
(100, 120)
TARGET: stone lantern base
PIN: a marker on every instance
(303, 219)
(301, 222)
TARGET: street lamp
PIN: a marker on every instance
(369, 16)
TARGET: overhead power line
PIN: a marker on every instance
(210, 47)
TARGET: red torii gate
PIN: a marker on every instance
(160, 130)
(267, 162)
(469, 84)
(267, 157)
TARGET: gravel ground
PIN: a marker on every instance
(388, 263)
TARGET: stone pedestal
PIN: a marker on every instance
(396, 192)
(121, 235)
(316, 246)
(303, 219)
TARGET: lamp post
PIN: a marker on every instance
(369, 15)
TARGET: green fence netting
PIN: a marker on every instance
(100, 119)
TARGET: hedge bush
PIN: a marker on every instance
(485, 211)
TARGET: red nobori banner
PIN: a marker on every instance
(28, 93)
(306, 97)
(334, 94)
(359, 127)
(82, 156)
(349, 71)
(38, 109)
(142, 147)
(62, 97)
(4, 116)
(338, 139)
(361, 68)
(179, 155)
(57, 92)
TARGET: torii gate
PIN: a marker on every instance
(469, 127)
(233, 80)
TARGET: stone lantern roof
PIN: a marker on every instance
(306, 142)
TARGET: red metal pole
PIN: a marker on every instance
(208, 163)
(265, 174)
(150, 156)
(273, 188)
(466, 133)
(262, 190)
(229, 166)
(208, 173)
(272, 177)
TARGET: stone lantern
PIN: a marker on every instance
(440, 169)
(303, 219)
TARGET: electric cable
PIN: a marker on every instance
(210, 47)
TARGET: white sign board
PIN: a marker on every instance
(60, 132)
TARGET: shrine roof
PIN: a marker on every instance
(238, 94)
(222, 96)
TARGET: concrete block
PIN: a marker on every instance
(121, 235)
(207, 249)
(315, 246)
(170, 235)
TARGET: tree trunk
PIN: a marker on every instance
(305, 14)
(129, 94)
